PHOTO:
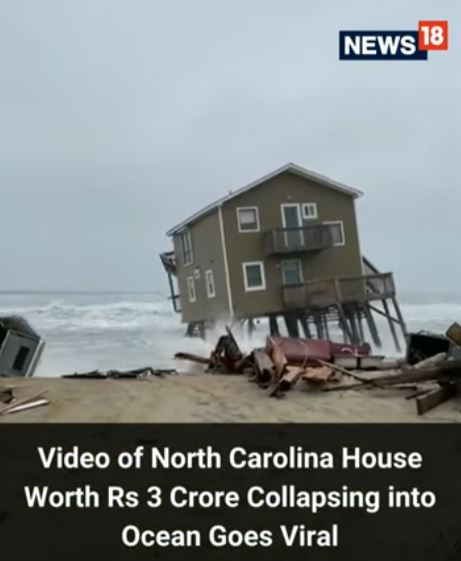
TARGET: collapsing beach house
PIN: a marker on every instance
(285, 247)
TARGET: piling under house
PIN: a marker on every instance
(285, 247)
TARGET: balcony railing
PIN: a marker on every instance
(343, 290)
(293, 240)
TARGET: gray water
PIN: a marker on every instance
(86, 331)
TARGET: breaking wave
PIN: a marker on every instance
(101, 331)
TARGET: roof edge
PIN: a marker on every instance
(290, 167)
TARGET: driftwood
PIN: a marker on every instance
(22, 401)
(26, 406)
(193, 358)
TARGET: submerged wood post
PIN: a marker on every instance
(400, 317)
(305, 326)
(318, 326)
(325, 325)
(274, 326)
(342, 315)
(360, 325)
(291, 322)
(391, 325)
(353, 327)
(372, 327)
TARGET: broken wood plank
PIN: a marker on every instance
(425, 403)
(277, 357)
(193, 358)
(264, 366)
(15, 404)
(317, 375)
(27, 406)
(287, 381)
(344, 371)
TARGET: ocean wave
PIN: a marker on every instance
(120, 315)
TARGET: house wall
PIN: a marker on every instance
(332, 205)
(207, 254)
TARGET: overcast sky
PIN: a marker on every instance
(119, 118)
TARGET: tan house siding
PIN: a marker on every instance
(247, 247)
(207, 255)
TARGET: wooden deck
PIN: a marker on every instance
(321, 293)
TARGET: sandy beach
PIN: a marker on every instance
(197, 398)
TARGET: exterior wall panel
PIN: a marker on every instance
(268, 197)
(207, 254)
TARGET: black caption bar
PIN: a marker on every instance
(173, 492)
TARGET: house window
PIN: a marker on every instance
(337, 232)
(186, 244)
(191, 289)
(20, 359)
(248, 219)
(210, 286)
(292, 272)
(310, 211)
(253, 276)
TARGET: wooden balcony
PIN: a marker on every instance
(322, 293)
(296, 240)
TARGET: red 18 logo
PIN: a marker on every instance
(433, 35)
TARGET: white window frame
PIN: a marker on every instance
(209, 283)
(246, 231)
(186, 234)
(308, 216)
(341, 226)
(262, 286)
(191, 289)
(300, 270)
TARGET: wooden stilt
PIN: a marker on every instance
(400, 316)
(291, 323)
(344, 325)
(360, 325)
(353, 327)
(274, 326)
(305, 326)
(391, 326)
(326, 329)
(372, 327)
(318, 326)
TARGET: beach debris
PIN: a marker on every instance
(424, 345)
(431, 370)
(20, 347)
(6, 395)
(26, 406)
(137, 373)
(29, 402)
(454, 334)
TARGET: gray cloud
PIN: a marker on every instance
(117, 119)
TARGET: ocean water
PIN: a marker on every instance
(86, 331)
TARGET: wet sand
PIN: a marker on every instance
(187, 398)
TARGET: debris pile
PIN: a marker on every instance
(431, 369)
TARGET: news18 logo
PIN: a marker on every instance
(394, 45)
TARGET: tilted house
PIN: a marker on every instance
(285, 246)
